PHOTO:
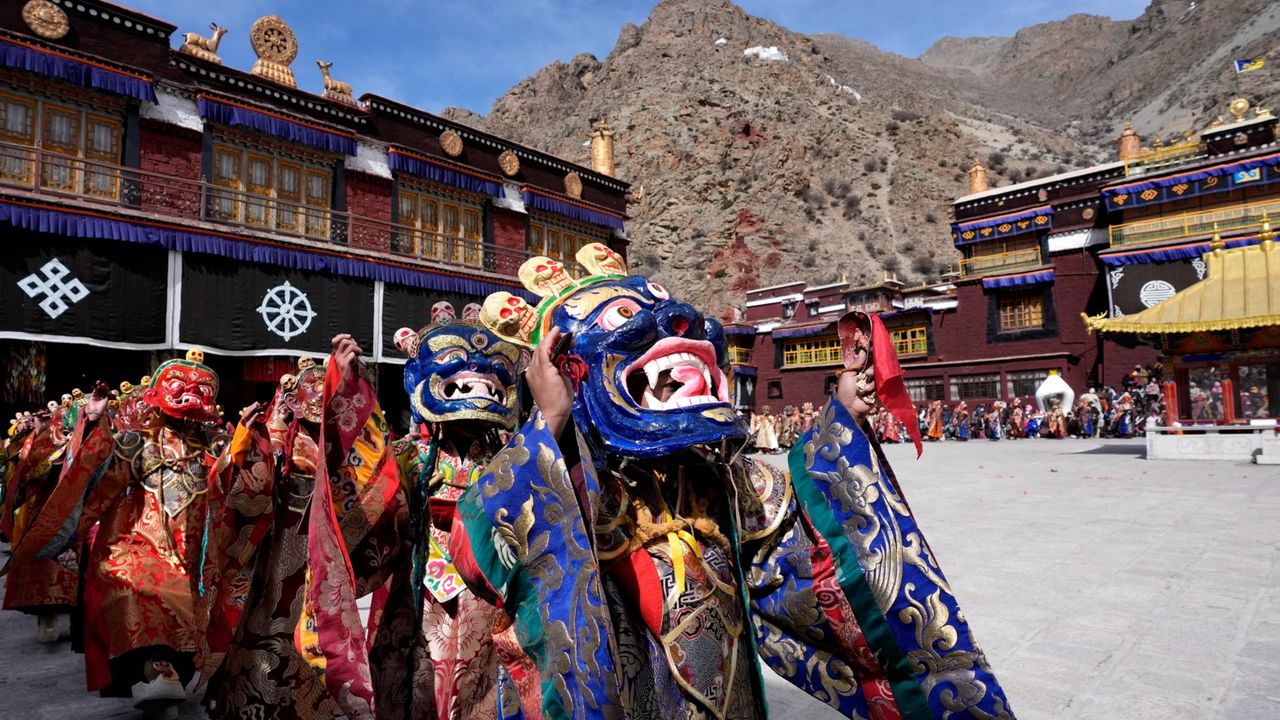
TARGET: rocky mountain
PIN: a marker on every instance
(1169, 70)
(767, 156)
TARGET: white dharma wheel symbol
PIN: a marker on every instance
(286, 311)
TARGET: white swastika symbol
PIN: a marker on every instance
(54, 286)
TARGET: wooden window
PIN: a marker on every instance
(1021, 312)
(473, 232)
(559, 242)
(406, 241)
(911, 340)
(226, 175)
(317, 203)
(257, 189)
(975, 387)
(448, 228)
(451, 230)
(553, 243)
(76, 147)
(430, 224)
(1023, 384)
(803, 353)
(259, 186)
(924, 390)
(537, 239)
(101, 145)
(60, 134)
(289, 192)
(17, 126)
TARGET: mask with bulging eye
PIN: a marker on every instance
(185, 389)
(460, 371)
(651, 370)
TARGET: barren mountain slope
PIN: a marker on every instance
(764, 158)
(1168, 70)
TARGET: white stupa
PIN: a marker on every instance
(1055, 386)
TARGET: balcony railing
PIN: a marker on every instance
(739, 355)
(1027, 259)
(1235, 218)
(1167, 157)
(130, 191)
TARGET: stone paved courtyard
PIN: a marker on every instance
(1101, 585)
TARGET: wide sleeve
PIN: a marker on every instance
(240, 513)
(351, 535)
(881, 570)
(95, 472)
(805, 631)
(523, 543)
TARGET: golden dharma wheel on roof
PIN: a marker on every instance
(276, 46)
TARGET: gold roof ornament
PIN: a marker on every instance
(509, 162)
(602, 148)
(451, 143)
(335, 89)
(46, 19)
(573, 185)
(1265, 232)
(205, 48)
(276, 46)
(1238, 108)
(1216, 242)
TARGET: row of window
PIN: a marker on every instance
(268, 192)
(1017, 312)
(437, 224)
(66, 131)
(1021, 385)
(260, 189)
(907, 341)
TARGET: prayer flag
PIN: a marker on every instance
(1249, 64)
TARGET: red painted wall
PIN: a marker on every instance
(369, 196)
(509, 228)
(960, 337)
(174, 152)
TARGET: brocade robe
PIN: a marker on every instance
(145, 490)
(295, 536)
(31, 467)
(654, 598)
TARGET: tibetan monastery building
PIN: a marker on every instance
(1110, 241)
(153, 199)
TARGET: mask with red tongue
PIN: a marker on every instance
(652, 369)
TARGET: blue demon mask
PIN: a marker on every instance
(460, 371)
(650, 371)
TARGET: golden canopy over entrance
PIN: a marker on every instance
(1241, 290)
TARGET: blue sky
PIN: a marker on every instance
(433, 53)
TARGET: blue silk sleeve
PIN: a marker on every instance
(525, 542)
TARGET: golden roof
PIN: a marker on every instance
(1241, 290)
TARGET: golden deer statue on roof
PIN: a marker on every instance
(205, 48)
(335, 89)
